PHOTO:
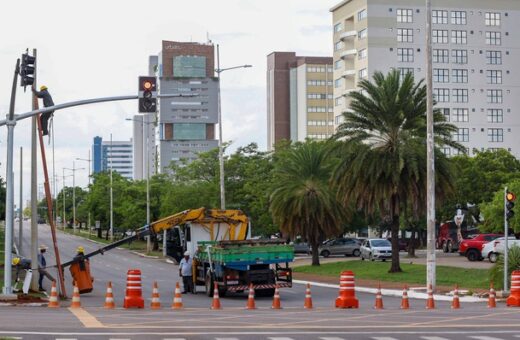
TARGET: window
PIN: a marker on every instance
(404, 15)
(460, 56)
(460, 95)
(316, 96)
(439, 17)
(459, 76)
(446, 113)
(494, 76)
(492, 19)
(405, 35)
(338, 64)
(495, 116)
(441, 75)
(338, 45)
(315, 109)
(458, 17)
(495, 135)
(338, 101)
(405, 70)
(362, 34)
(441, 95)
(459, 37)
(363, 73)
(362, 54)
(338, 82)
(405, 54)
(494, 57)
(314, 82)
(446, 151)
(337, 27)
(189, 131)
(462, 135)
(316, 69)
(440, 36)
(362, 15)
(494, 96)
(441, 56)
(493, 38)
(460, 115)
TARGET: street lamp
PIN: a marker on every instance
(64, 220)
(74, 169)
(89, 168)
(219, 70)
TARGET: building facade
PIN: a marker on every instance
(186, 121)
(115, 155)
(299, 97)
(475, 45)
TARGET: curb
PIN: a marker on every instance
(395, 293)
(144, 255)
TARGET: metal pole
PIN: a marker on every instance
(506, 251)
(74, 196)
(20, 215)
(111, 195)
(64, 222)
(34, 184)
(220, 146)
(149, 237)
(55, 206)
(430, 144)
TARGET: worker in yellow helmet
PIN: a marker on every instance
(20, 264)
(47, 101)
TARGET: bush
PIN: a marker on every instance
(496, 273)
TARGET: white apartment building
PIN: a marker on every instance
(476, 79)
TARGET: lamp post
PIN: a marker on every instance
(89, 168)
(219, 70)
(74, 169)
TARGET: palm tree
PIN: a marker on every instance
(303, 201)
(383, 150)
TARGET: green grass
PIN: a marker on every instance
(412, 273)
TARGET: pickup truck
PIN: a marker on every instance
(471, 247)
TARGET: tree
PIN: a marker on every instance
(303, 201)
(383, 151)
(493, 211)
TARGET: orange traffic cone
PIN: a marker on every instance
(276, 299)
(430, 303)
(492, 303)
(379, 298)
(53, 300)
(455, 304)
(405, 304)
(216, 299)
(251, 298)
(177, 298)
(156, 302)
(109, 297)
(76, 303)
(308, 297)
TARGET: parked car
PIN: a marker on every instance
(492, 249)
(472, 246)
(376, 249)
(403, 246)
(302, 248)
(340, 246)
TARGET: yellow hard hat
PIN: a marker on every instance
(80, 249)
(15, 261)
(43, 87)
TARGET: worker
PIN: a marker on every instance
(42, 264)
(80, 257)
(185, 271)
(47, 101)
(20, 264)
(80, 271)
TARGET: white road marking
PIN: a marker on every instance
(433, 338)
(280, 338)
(483, 337)
(383, 338)
(174, 339)
(66, 339)
(227, 339)
(119, 339)
(331, 338)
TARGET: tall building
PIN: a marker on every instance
(186, 121)
(143, 142)
(475, 50)
(115, 155)
(299, 97)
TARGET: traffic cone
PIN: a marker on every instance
(492, 303)
(109, 297)
(405, 304)
(276, 299)
(251, 298)
(379, 298)
(430, 303)
(216, 299)
(177, 298)
(455, 304)
(308, 297)
(76, 303)
(53, 300)
(156, 302)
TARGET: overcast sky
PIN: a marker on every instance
(96, 48)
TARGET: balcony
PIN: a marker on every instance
(348, 53)
(348, 34)
(349, 73)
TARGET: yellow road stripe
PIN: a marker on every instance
(87, 319)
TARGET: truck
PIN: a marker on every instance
(223, 251)
(448, 239)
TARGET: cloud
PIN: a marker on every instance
(316, 29)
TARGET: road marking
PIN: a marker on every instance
(87, 319)
(483, 337)
(383, 338)
(433, 338)
(225, 339)
(280, 338)
(174, 339)
(331, 338)
(66, 339)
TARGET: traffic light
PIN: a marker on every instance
(510, 198)
(27, 70)
(147, 94)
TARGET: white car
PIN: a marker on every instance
(492, 249)
(376, 249)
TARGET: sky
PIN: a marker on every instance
(94, 48)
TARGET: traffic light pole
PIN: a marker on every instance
(506, 251)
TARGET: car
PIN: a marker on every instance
(340, 246)
(376, 249)
(403, 246)
(302, 248)
(492, 249)
(471, 247)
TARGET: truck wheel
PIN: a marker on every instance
(208, 283)
(265, 292)
(493, 257)
(450, 247)
(472, 255)
(325, 253)
(444, 246)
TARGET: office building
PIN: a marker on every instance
(115, 155)
(299, 97)
(186, 121)
(475, 53)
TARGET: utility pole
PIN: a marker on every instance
(149, 237)
(220, 146)
(20, 215)
(506, 248)
(430, 163)
(111, 194)
(89, 169)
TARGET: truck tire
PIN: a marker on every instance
(450, 247)
(473, 255)
(208, 283)
(444, 246)
(265, 292)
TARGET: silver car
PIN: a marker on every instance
(376, 249)
(340, 246)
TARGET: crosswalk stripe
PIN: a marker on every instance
(383, 338)
(281, 338)
(173, 339)
(331, 338)
(483, 337)
(227, 339)
(433, 338)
